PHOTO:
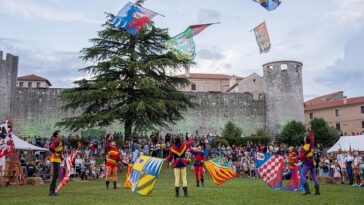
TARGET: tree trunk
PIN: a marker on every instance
(128, 125)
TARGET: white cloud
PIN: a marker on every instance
(345, 11)
(31, 11)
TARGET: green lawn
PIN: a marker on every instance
(235, 191)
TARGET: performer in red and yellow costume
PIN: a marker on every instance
(113, 156)
(199, 156)
(177, 153)
(306, 155)
(292, 165)
(56, 158)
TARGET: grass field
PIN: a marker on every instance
(235, 191)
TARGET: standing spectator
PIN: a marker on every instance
(349, 169)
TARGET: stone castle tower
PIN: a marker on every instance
(8, 76)
(283, 94)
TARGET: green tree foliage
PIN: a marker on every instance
(324, 135)
(130, 84)
(292, 133)
(232, 133)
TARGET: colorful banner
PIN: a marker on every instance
(182, 45)
(127, 183)
(269, 4)
(220, 170)
(262, 37)
(270, 169)
(6, 141)
(295, 183)
(132, 18)
(66, 179)
(144, 174)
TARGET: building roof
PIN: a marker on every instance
(33, 77)
(209, 76)
(335, 103)
(325, 98)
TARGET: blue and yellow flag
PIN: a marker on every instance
(262, 37)
(144, 174)
(269, 4)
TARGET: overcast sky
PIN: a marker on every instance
(326, 35)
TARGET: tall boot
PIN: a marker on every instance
(115, 185)
(107, 184)
(307, 189)
(185, 191)
(177, 191)
(202, 181)
(197, 183)
(317, 190)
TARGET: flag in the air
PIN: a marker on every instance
(133, 17)
(182, 45)
(144, 174)
(262, 37)
(66, 178)
(269, 4)
(270, 169)
(127, 183)
(220, 170)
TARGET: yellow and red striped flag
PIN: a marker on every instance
(220, 170)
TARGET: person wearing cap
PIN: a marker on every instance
(113, 156)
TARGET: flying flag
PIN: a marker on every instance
(182, 45)
(66, 179)
(270, 169)
(127, 183)
(144, 174)
(262, 37)
(220, 170)
(269, 4)
(133, 17)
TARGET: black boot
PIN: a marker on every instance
(177, 191)
(115, 185)
(107, 184)
(307, 189)
(198, 183)
(202, 182)
(185, 191)
(317, 190)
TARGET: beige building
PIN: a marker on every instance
(32, 81)
(251, 84)
(346, 114)
(206, 82)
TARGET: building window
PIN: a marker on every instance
(21, 84)
(311, 115)
(193, 86)
(337, 113)
(338, 126)
(29, 84)
(38, 85)
(362, 124)
(362, 108)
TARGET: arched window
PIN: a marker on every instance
(193, 86)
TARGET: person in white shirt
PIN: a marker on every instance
(349, 169)
(340, 158)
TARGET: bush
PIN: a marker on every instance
(217, 141)
(231, 131)
(325, 135)
(293, 133)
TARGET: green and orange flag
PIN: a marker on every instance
(220, 170)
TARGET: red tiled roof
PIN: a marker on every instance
(34, 78)
(335, 103)
(209, 76)
(323, 98)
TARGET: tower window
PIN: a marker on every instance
(193, 86)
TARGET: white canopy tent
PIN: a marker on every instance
(23, 145)
(356, 143)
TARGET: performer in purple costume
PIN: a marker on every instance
(306, 155)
